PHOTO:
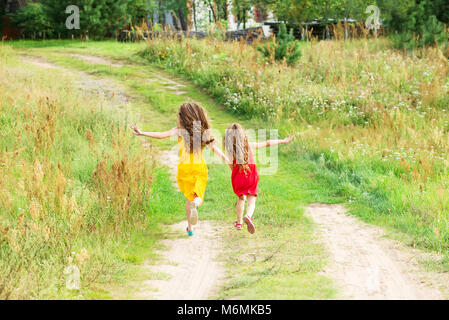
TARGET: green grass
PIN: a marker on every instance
(322, 166)
(282, 228)
(102, 48)
(283, 246)
(57, 203)
(373, 121)
(350, 143)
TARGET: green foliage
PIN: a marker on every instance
(139, 10)
(434, 32)
(241, 10)
(431, 33)
(32, 20)
(296, 11)
(74, 184)
(98, 18)
(284, 48)
(2, 13)
(412, 15)
(395, 13)
(363, 111)
(293, 11)
(442, 10)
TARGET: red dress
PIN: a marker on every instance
(245, 183)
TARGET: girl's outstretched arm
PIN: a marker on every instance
(269, 143)
(220, 154)
(155, 135)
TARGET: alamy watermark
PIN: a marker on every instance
(266, 158)
(73, 276)
(373, 21)
(73, 21)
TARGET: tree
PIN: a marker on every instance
(114, 16)
(284, 48)
(99, 18)
(325, 10)
(178, 9)
(441, 10)
(32, 20)
(219, 9)
(139, 10)
(241, 10)
(2, 13)
(292, 11)
(395, 14)
(412, 15)
(181, 10)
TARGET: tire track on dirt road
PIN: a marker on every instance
(366, 265)
(362, 262)
(189, 268)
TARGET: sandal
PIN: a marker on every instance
(249, 224)
(238, 226)
(189, 233)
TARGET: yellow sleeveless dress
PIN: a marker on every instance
(192, 173)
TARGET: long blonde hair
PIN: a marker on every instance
(237, 146)
(193, 122)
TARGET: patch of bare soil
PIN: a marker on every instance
(110, 90)
(97, 60)
(367, 265)
(168, 83)
(190, 263)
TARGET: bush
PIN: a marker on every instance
(74, 185)
(432, 33)
(283, 48)
(372, 120)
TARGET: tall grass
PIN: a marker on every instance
(73, 184)
(374, 120)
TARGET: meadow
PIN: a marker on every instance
(371, 126)
(75, 188)
(288, 254)
(372, 120)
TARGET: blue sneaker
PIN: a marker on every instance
(189, 233)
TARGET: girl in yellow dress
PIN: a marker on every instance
(193, 133)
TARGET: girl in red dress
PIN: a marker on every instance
(245, 178)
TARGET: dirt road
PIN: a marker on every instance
(366, 265)
(362, 262)
(188, 269)
(191, 264)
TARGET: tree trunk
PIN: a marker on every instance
(213, 11)
(182, 19)
(194, 15)
(244, 19)
(326, 19)
(346, 20)
(189, 18)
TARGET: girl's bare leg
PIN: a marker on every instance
(194, 205)
(250, 205)
(198, 201)
(240, 208)
(189, 225)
